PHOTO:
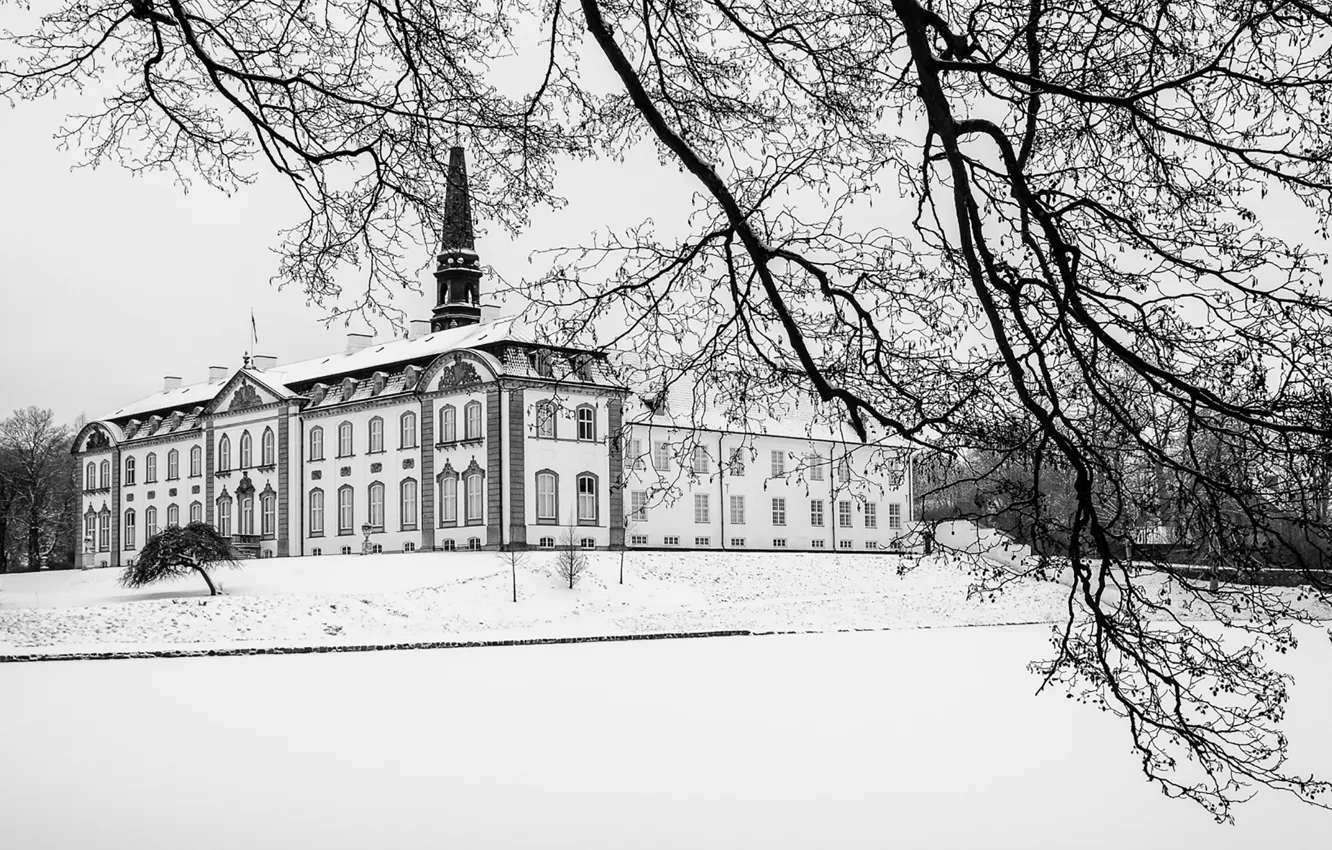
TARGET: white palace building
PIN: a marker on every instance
(466, 434)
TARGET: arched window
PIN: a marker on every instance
(127, 541)
(129, 470)
(587, 422)
(106, 475)
(89, 530)
(316, 443)
(90, 477)
(407, 504)
(104, 531)
(173, 515)
(268, 514)
(224, 515)
(149, 523)
(224, 454)
(173, 465)
(476, 512)
(150, 468)
(587, 499)
(246, 452)
(449, 546)
(474, 544)
(346, 517)
(196, 461)
(547, 496)
(407, 428)
(376, 434)
(473, 413)
(448, 498)
(267, 449)
(316, 512)
(376, 494)
(448, 424)
(196, 511)
(545, 419)
(247, 514)
(345, 439)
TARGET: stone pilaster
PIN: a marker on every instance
(517, 473)
(428, 518)
(284, 483)
(615, 488)
(494, 468)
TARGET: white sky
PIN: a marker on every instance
(108, 281)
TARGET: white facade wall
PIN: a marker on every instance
(226, 482)
(457, 456)
(146, 493)
(567, 457)
(674, 517)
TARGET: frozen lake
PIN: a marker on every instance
(927, 738)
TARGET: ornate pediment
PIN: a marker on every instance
(97, 440)
(245, 487)
(456, 375)
(245, 397)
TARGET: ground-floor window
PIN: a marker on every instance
(449, 546)
(547, 543)
(376, 548)
(779, 542)
(843, 544)
(409, 546)
(588, 543)
(316, 551)
(738, 542)
(346, 550)
(474, 543)
(638, 540)
(128, 542)
(671, 541)
(702, 541)
(871, 544)
(817, 544)
(104, 531)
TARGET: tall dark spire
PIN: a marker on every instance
(458, 274)
(457, 206)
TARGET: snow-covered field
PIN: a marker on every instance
(442, 596)
(911, 739)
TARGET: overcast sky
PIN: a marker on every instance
(111, 282)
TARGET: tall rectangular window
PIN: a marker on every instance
(779, 511)
(316, 512)
(661, 456)
(128, 542)
(843, 514)
(701, 512)
(196, 511)
(346, 522)
(894, 515)
(636, 454)
(475, 509)
(778, 463)
(104, 532)
(815, 467)
(844, 469)
(377, 505)
(546, 506)
(173, 465)
(407, 510)
(448, 424)
(473, 411)
(587, 498)
(587, 423)
(448, 500)
(268, 514)
(407, 429)
(871, 515)
(545, 419)
(90, 529)
(345, 439)
(638, 500)
(376, 435)
(816, 512)
(737, 510)
(316, 443)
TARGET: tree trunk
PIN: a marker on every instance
(621, 566)
(514, 567)
(212, 590)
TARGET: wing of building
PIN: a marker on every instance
(469, 434)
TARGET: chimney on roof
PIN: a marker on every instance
(263, 362)
(489, 313)
(355, 342)
(170, 383)
(217, 374)
(418, 328)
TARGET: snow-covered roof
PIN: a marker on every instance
(371, 357)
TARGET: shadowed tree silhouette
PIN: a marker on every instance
(178, 551)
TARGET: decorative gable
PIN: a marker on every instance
(244, 392)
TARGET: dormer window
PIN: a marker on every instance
(348, 387)
(377, 383)
(317, 393)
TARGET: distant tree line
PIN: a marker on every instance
(38, 496)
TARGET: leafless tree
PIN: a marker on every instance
(513, 559)
(570, 562)
(36, 479)
(1030, 235)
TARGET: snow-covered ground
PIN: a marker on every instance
(913, 739)
(442, 596)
